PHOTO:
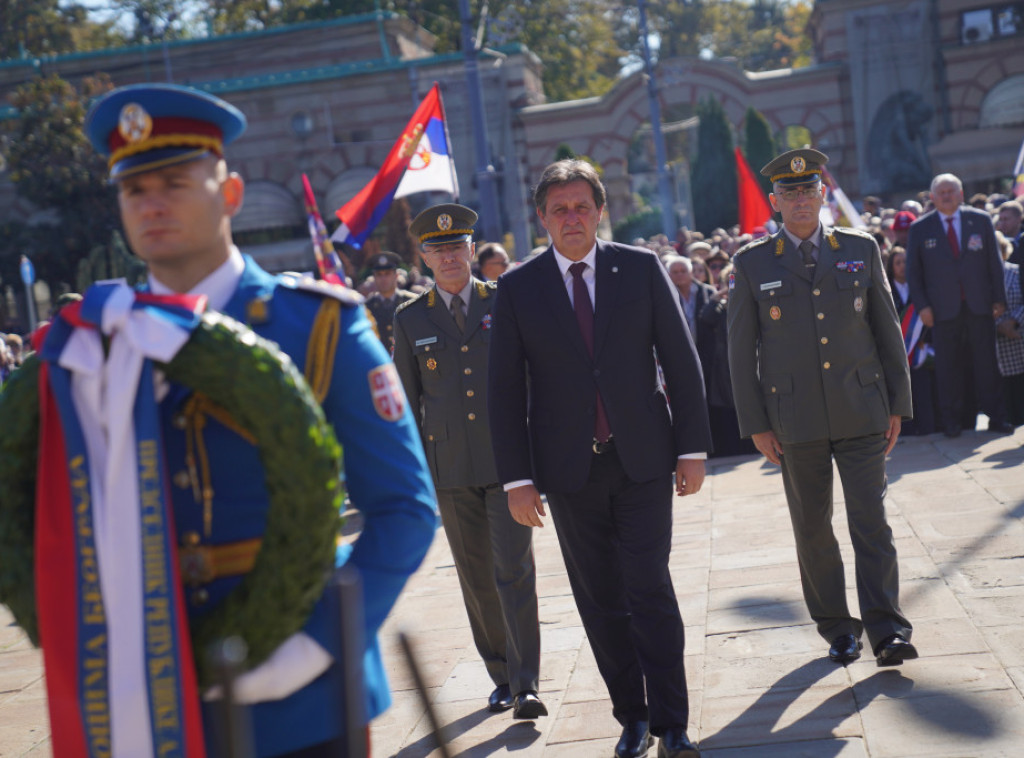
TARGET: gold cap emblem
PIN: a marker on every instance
(444, 222)
(798, 165)
(135, 123)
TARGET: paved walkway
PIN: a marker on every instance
(760, 683)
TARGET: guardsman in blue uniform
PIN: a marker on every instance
(165, 145)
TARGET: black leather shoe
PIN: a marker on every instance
(675, 744)
(635, 740)
(1003, 427)
(501, 699)
(529, 706)
(893, 650)
(845, 649)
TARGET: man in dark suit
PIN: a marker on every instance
(577, 412)
(955, 273)
(819, 373)
(441, 345)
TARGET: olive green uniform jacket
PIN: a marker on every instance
(445, 378)
(817, 354)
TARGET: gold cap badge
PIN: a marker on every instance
(134, 123)
(797, 165)
(444, 222)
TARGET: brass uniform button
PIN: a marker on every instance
(821, 316)
(774, 390)
(471, 417)
(817, 292)
(181, 480)
(191, 539)
(467, 371)
(824, 340)
(430, 438)
(464, 348)
(470, 393)
(180, 422)
(827, 365)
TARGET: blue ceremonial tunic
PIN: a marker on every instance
(386, 478)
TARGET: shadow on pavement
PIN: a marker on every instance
(947, 712)
(943, 711)
(518, 735)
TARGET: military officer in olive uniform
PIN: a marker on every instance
(383, 303)
(819, 372)
(441, 346)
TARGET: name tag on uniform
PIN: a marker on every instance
(771, 285)
(426, 341)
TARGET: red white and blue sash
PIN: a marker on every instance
(119, 667)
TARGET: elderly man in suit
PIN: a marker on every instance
(577, 412)
(819, 373)
(955, 273)
(441, 344)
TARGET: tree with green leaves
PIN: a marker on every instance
(713, 178)
(759, 146)
(54, 167)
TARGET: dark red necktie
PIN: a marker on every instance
(953, 241)
(585, 319)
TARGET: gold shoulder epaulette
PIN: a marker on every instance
(853, 232)
(754, 243)
(402, 306)
(344, 295)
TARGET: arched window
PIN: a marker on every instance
(1004, 104)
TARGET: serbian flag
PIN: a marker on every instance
(419, 161)
(327, 261)
(754, 208)
(120, 676)
(1018, 174)
(840, 209)
(912, 327)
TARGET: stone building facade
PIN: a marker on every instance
(900, 90)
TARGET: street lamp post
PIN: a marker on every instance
(486, 179)
(668, 219)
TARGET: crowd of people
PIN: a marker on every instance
(592, 381)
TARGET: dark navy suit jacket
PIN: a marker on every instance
(542, 384)
(935, 277)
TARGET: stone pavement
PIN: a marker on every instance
(761, 685)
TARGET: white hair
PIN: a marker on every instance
(913, 206)
(947, 179)
(671, 260)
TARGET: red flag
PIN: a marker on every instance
(327, 261)
(362, 213)
(754, 208)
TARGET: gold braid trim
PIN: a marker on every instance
(446, 233)
(323, 343)
(165, 140)
(196, 410)
(795, 175)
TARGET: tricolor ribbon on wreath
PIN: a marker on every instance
(119, 668)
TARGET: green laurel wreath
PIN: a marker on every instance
(257, 384)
